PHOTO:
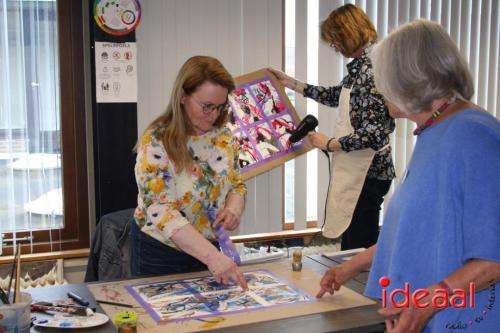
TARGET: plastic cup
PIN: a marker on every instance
(16, 318)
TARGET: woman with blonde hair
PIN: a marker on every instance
(188, 178)
(362, 163)
(440, 239)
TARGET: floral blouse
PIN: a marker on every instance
(168, 200)
(369, 116)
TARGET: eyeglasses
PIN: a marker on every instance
(209, 108)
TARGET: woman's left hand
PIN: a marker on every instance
(409, 319)
(320, 140)
(229, 218)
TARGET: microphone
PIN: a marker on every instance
(307, 124)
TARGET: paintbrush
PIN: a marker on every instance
(72, 310)
(17, 284)
(3, 296)
(64, 305)
(12, 275)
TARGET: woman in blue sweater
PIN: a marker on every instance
(441, 232)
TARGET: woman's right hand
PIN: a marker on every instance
(225, 270)
(285, 80)
(336, 276)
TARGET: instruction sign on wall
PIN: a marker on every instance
(116, 72)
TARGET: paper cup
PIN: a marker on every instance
(16, 318)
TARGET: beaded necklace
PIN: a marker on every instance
(435, 114)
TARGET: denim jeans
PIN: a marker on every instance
(149, 256)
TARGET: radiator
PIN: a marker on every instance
(35, 274)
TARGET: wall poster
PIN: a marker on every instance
(116, 72)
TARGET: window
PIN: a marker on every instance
(311, 63)
(41, 88)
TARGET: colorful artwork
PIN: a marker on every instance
(262, 118)
(248, 153)
(195, 298)
(284, 127)
(264, 140)
(245, 107)
(268, 98)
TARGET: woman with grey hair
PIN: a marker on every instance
(436, 264)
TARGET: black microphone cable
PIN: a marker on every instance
(326, 200)
(308, 124)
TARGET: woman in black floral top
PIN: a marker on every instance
(349, 31)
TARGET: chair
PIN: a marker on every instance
(109, 257)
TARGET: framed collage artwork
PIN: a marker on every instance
(262, 119)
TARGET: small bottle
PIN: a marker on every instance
(226, 245)
(297, 260)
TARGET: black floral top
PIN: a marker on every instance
(369, 116)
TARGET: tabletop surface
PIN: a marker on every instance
(359, 319)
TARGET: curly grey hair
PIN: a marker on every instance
(417, 64)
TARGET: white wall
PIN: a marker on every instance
(244, 36)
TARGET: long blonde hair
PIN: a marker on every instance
(348, 28)
(174, 123)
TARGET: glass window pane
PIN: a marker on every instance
(290, 70)
(312, 107)
(30, 161)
